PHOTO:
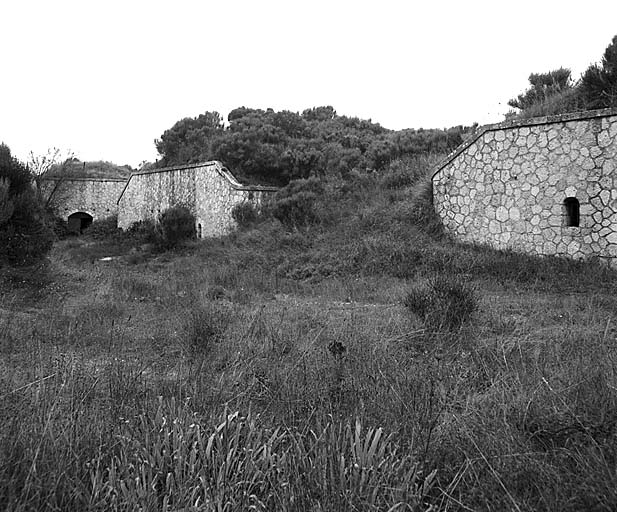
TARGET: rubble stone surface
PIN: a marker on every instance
(509, 186)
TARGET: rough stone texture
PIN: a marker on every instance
(95, 196)
(507, 184)
(208, 189)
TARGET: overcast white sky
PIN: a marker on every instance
(106, 78)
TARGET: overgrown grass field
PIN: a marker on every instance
(339, 353)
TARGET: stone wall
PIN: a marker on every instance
(97, 197)
(208, 189)
(517, 185)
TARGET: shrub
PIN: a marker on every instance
(244, 214)
(18, 175)
(144, 231)
(295, 205)
(104, 228)
(204, 327)
(399, 178)
(24, 235)
(403, 172)
(176, 224)
(57, 224)
(445, 302)
(6, 204)
(422, 213)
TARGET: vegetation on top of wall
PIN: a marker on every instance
(75, 168)
(555, 92)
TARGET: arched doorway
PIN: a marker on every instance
(79, 221)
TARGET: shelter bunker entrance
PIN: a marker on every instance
(79, 221)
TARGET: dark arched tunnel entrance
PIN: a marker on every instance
(79, 221)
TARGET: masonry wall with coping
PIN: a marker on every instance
(208, 189)
(510, 184)
(98, 197)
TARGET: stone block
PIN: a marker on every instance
(501, 214)
(494, 227)
(542, 140)
(542, 174)
(611, 237)
(604, 140)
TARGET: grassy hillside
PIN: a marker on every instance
(78, 169)
(350, 357)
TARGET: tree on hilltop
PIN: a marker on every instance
(190, 139)
(598, 87)
(16, 173)
(269, 147)
(553, 92)
(556, 93)
(319, 113)
(55, 161)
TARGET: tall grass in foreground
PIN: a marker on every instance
(173, 459)
(102, 439)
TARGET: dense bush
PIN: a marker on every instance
(25, 236)
(175, 225)
(203, 327)
(295, 205)
(244, 213)
(17, 174)
(104, 228)
(422, 212)
(445, 302)
(276, 147)
(144, 231)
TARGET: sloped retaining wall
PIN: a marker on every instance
(544, 186)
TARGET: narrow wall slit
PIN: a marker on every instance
(572, 211)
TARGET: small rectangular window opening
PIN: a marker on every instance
(572, 208)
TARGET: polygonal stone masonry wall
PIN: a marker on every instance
(506, 186)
